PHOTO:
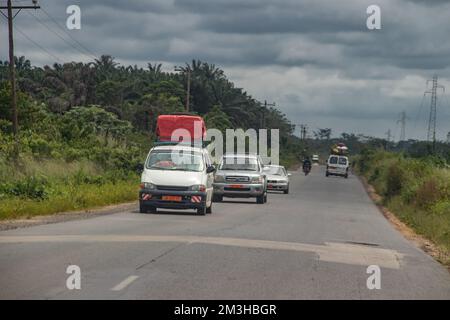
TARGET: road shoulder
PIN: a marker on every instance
(408, 233)
(66, 216)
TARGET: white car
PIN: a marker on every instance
(315, 158)
(277, 178)
(337, 166)
(177, 177)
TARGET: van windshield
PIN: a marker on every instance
(175, 160)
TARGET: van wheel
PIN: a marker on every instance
(327, 174)
(209, 209)
(346, 176)
(201, 211)
(142, 208)
(151, 209)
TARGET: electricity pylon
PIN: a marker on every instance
(431, 134)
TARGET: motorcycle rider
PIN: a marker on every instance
(306, 165)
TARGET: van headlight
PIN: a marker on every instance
(198, 187)
(148, 186)
(219, 178)
(257, 179)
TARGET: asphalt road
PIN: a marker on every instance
(314, 243)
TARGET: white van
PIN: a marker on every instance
(177, 177)
(337, 166)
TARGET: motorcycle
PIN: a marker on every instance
(306, 170)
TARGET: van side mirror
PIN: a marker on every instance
(210, 169)
(139, 167)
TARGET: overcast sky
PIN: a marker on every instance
(315, 59)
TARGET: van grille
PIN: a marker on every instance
(172, 188)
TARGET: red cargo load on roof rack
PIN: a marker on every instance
(167, 124)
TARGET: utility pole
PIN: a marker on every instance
(12, 71)
(188, 91)
(263, 119)
(431, 134)
(303, 131)
(188, 85)
(402, 122)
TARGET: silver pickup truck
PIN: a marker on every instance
(240, 176)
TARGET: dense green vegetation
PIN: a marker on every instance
(417, 190)
(84, 128)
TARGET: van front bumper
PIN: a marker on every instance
(244, 191)
(189, 199)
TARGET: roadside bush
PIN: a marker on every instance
(395, 178)
(29, 187)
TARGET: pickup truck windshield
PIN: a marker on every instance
(239, 164)
(175, 160)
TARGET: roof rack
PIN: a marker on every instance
(199, 144)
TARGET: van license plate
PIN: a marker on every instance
(171, 198)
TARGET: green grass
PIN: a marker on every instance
(69, 198)
(433, 226)
(415, 190)
(33, 187)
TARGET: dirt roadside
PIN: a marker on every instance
(419, 241)
(66, 216)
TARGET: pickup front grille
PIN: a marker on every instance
(237, 179)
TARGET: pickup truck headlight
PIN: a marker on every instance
(198, 187)
(257, 179)
(148, 186)
(219, 178)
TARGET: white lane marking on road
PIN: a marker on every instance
(331, 252)
(125, 283)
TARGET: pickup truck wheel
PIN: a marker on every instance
(260, 199)
(201, 211)
(286, 191)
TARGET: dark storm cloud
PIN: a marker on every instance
(315, 57)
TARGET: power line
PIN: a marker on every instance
(38, 45)
(58, 35)
(93, 55)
